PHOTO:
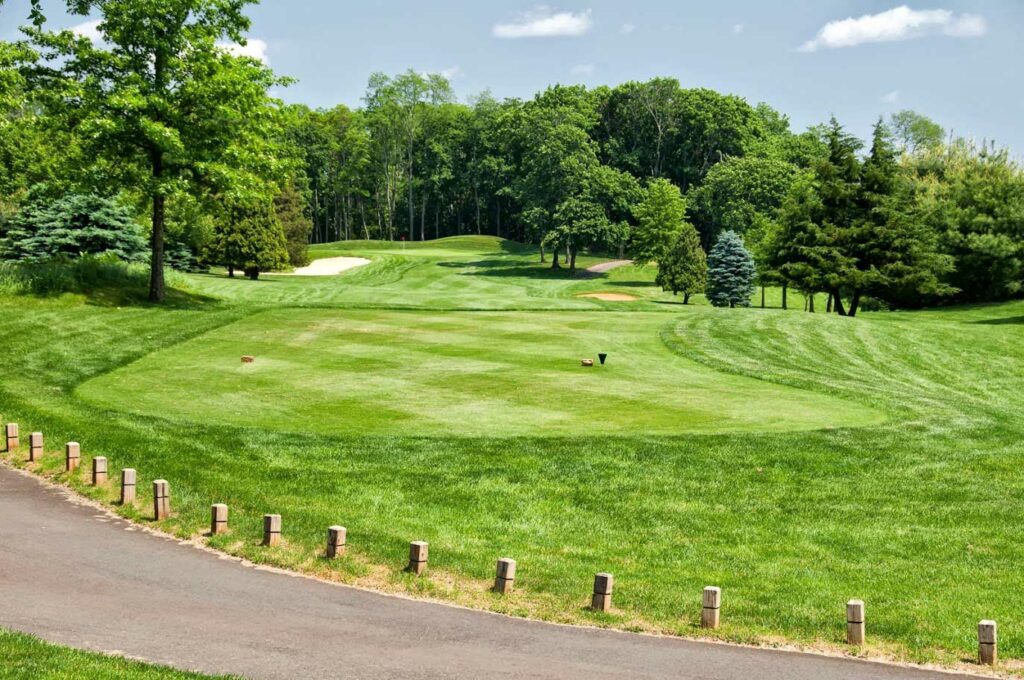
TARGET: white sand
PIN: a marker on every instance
(329, 266)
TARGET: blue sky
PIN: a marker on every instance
(959, 61)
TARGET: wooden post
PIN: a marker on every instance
(72, 456)
(271, 530)
(506, 576)
(710, 614)
(418, 557)
(127, 486)
(218, 519)
(336, 541)
(13, 441)
(99, 471)
(855, 622)
(988, 653)
(35, 446)
(602, 599)
(161, 500)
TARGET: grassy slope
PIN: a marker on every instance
(23, 656)
(917, 516)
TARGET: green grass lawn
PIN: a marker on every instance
(23, 656)
(796, 461)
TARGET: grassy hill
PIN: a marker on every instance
(795, 460)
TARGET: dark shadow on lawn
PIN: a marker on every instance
(136, 297)
(1005, 321)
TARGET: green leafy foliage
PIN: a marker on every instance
(250, 238)
(289, 209)
(684, 267)
(660, 219)
(731, 272)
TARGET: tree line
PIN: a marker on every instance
(161, 118)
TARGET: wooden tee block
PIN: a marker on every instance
(988, 640)
(35, 446)
(855, 622)
(13, 441)
(99, 471)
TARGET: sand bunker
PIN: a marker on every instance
(329, 266)
(610, 297)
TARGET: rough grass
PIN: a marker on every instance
(28, 658)
(919, 515)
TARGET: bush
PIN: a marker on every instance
(70, 227)
(79, 275)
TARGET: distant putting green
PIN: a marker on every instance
(457, 374)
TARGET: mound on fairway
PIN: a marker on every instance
(456, 374)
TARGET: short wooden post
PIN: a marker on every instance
(72, 456)
(602, 599)
(855, 622)
(418, 557)
(128, 477)
(161, 500)
(13, 442)
(99, 471)
(271, 530)
(505, 579)
(988, 653)
(336, 541)
(711, 612)
(218, 519)
(35, 446)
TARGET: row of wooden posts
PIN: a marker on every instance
(419, 550)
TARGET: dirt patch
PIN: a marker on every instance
(610, 297)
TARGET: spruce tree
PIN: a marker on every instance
(250, 239)
(289, 208)
(684, 266)
(731, 272)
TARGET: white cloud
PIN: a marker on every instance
(89, 29)
(891, 97)
(451, 73)
(738, 28)
(583, 70)
(543, 22)
(900, 23)
(254, 47)
(627, 28)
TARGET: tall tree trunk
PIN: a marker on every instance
(839, 302)
(854, 303)
(423, 217)
(810, 303)
(686, 298)
(542, 253)
(762, 297)
(572, 261)
(785, 296)
(412, 210)
(554, 258)
(828, 307)
(157, 290)
(498, 204)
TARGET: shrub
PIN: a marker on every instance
(731, 272)
(69, 227)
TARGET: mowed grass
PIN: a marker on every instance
(26, 657)
(479, 374)
(918, 514)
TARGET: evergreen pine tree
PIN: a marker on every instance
(250, 239)
(684, 267)
(731, 272)
(297, 226)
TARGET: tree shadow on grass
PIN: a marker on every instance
(1005, 321)
(134, 297)
(504, 269)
